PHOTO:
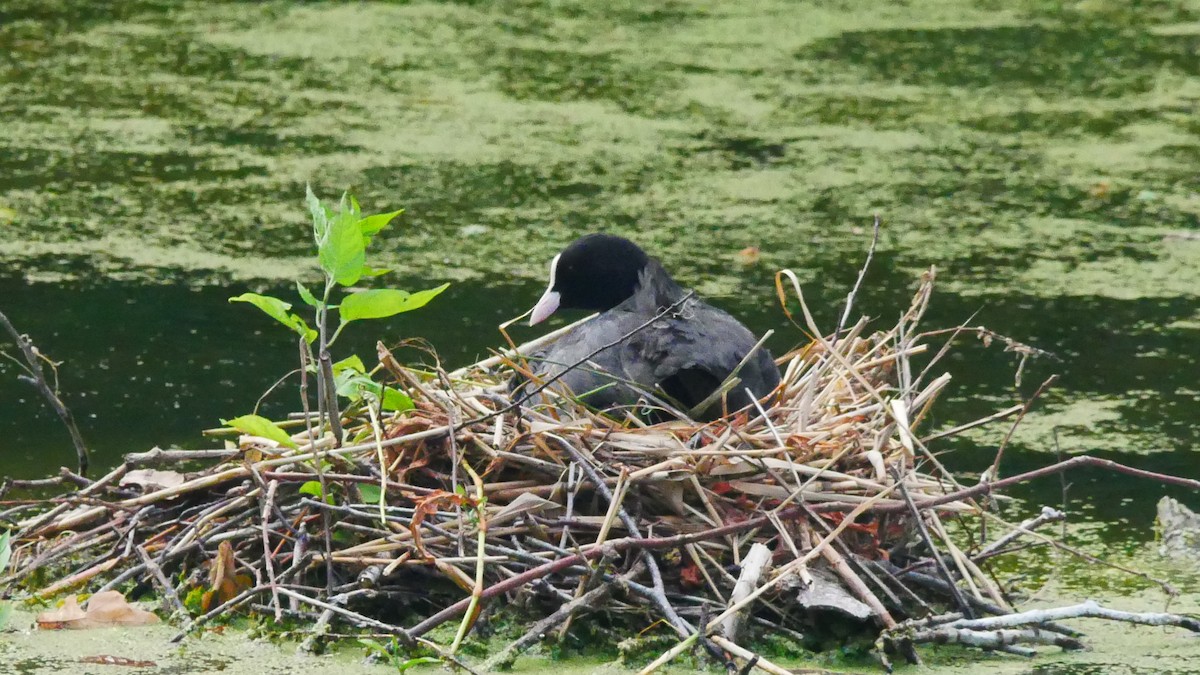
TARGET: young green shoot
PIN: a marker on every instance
(342, 236)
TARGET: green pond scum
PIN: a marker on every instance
(1044, 155)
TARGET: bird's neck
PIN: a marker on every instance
(656, 288)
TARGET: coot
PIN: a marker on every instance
(686, 354)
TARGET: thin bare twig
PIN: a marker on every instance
(37, 378)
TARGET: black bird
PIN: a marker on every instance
(686, 354)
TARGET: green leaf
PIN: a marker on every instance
(418, 661)
(310, 335)
(278, 309)
(341, 251)
(311, 488)
(395, 400)
(260, 426)
(355, 385)
(307, 296)
(352, 363)
(371, 493)
(342, 383)
(375, 646)
(348, 205)
(5, 551)
(273, 307)
(384, 302)
(372, 225)
(368, 271)
(351, 384)
(320, 215)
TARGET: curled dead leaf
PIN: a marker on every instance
(68, 615)
(108, 608)
(152, 480)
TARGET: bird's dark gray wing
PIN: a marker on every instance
(690, 354)
(601, 380)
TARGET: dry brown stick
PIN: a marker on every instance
(1007, 412)
(71, 477)
(933, 551)
(26, 528)
(858, 282)
(1089, 608)
(10, 483)
(994, 472)
(564, 612)
(268, 504)
(37, 522)
(238, 600)
(104, 481)
(1166, 586)
(847, 555)
(156, 573)
(1059, 467)
(522, 350)
(753, 566)
(854, 583)
(72, 544)
(157, 456)
(77, 578)
(1048, 515)
(333, 607)
(664, 605)
(753, 660)
(36, 377)
(588, 553)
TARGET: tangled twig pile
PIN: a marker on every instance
(825, 500)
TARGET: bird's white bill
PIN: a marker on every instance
(550, 299)
(544, 307)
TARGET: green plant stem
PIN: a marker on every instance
(336, 333)
(480, 548)
(327, 389)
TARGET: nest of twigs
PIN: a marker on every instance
(824, 501)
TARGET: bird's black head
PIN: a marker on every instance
(596, 272)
